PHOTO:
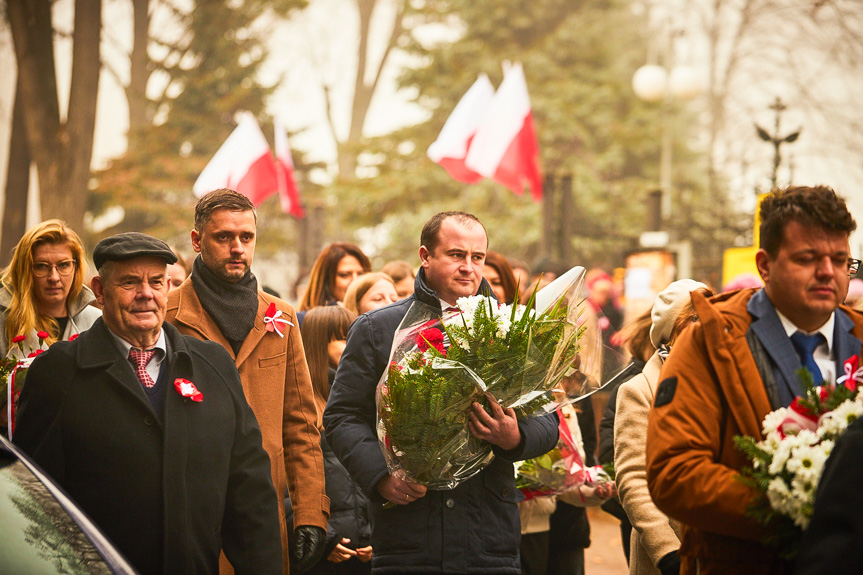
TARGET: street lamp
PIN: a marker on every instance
(776, 139)
(653, 83)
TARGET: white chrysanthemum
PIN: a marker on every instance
(784, 449)
(806, 437)
(806, 463)
(780, 456)
(771, 441)
(802, 497)
(778, 494)
(802, 487)
(835, 422)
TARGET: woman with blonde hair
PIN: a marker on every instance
(335, 268)
(42, 289)
(370, 291)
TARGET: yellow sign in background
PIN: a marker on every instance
(736, 261)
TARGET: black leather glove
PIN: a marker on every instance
(308, 547)
(669, 564)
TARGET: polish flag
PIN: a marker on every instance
(244, 163)
(452, 144)
(504, 147)
(289, 194)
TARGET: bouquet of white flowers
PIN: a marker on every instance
(518, 356)
(787, 464)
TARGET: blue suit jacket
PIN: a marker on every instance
(767, 327)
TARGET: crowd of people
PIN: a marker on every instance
(208, 426)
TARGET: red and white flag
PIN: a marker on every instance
(504, 147)
(452, 144)
(244, 163)
(289, 194)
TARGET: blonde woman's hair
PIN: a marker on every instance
(22, 315)
(360, 286)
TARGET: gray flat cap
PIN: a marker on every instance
(131, 245)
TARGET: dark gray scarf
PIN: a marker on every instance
(232, 306)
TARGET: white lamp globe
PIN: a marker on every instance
(648, 82)
(684, 82)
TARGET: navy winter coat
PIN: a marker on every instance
(473, 528)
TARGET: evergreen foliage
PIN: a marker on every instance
(215, 79)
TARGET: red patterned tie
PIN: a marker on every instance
(141, 359)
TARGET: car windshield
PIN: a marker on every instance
(36, 535)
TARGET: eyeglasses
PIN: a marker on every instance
(853, 266)
(43, 269)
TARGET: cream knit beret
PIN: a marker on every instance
(666, 306)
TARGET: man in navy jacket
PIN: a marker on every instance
(475, 527)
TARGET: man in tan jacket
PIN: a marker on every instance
(739, 362)
(221, 302)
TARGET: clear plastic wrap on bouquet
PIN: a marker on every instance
(554, 472)
(528, 358)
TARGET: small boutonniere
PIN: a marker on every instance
(187, 389)
(853, 375)
(272, 319)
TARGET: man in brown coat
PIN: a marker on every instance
(221, 302)
(738, 363)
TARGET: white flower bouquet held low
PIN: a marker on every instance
(523, 357)
(787, 464)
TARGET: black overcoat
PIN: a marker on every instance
(169, 493)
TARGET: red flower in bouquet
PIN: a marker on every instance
(74, 336)
(42, 334)
(187, 389)
(430, 337)
(18, 339)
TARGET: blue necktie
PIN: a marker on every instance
(805, 346)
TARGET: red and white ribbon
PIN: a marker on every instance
(853, 374)
(273, 318)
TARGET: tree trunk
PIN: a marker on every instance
(136, 91)
(62, 151)
(17, 183)
(364, 91)
(67, 197)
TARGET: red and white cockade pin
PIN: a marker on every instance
(187, 389)
(273, 318)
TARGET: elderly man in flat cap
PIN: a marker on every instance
(149, 431)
